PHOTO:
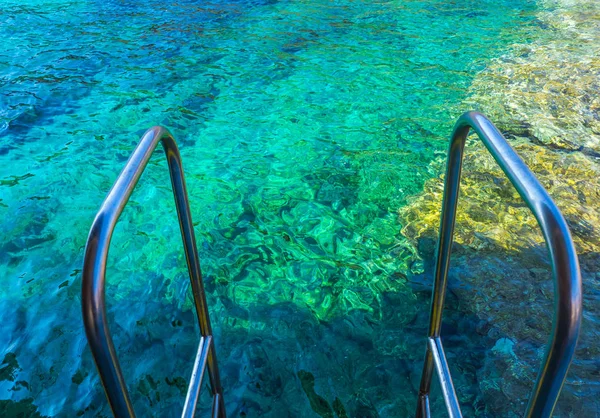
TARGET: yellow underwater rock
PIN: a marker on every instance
(492, 214)
(544, 97)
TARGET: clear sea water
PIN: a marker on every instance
(303, 125)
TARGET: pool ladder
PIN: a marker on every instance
(567, 278)
(93, 281)
(565, 267)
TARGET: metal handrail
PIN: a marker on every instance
(565, 267)
(94, 270)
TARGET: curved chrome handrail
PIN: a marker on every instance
(567, 277)
(94, 270)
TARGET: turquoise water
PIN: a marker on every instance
(303, 126)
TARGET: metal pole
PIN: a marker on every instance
(444, 247)
(191, 253)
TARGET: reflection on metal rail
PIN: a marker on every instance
(94, 269)
(565, 267)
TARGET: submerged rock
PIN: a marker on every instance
(548, 90)
(492, 215)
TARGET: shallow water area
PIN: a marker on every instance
(303, 127)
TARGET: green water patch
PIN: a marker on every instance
(303, 127)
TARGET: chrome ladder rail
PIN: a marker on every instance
(93, 282)
(567, 277)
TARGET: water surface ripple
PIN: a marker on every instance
(304, 126)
